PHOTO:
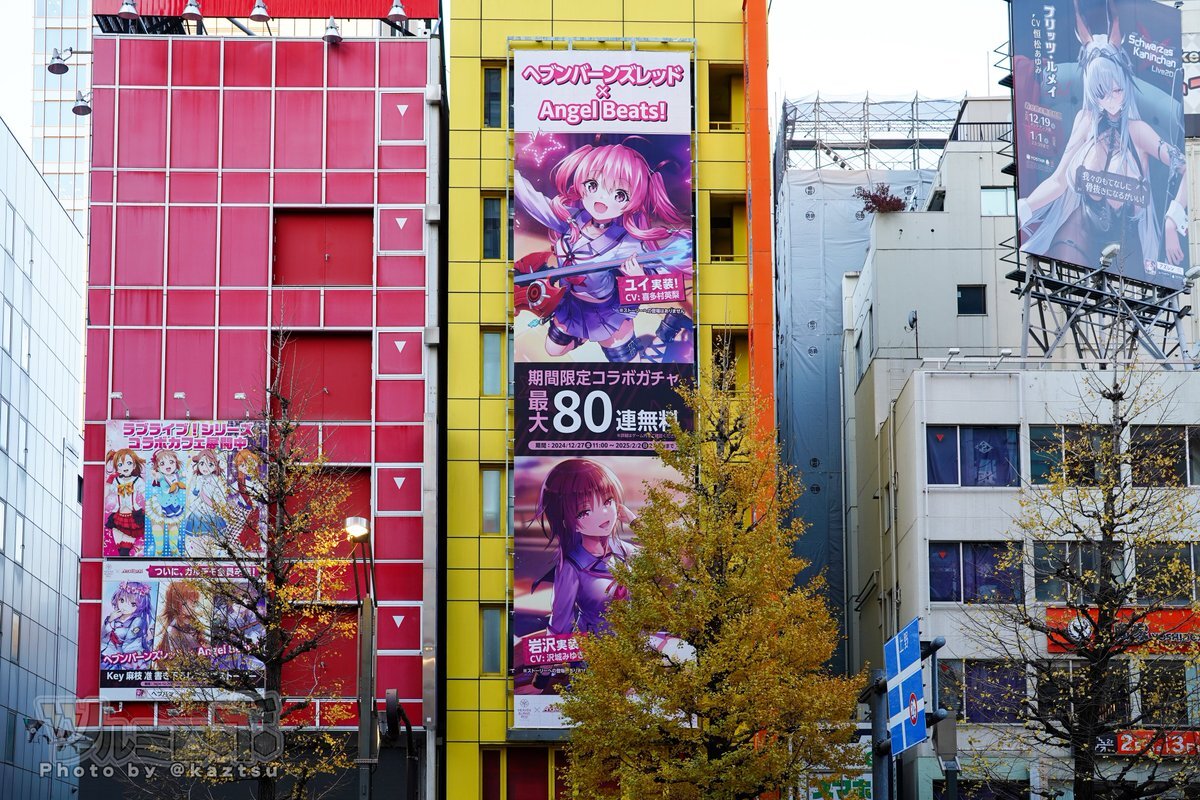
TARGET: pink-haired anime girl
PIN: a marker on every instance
(609, 205)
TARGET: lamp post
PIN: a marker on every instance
(359, 533)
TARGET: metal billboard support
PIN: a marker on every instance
(1107, 316)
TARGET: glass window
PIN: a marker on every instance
(972, 300)
(27, 263)
(997, 201)
(14, 637)
(1045, 452)
(1158, 455)
(492, 775)
(491, 227)
(1164, 573)
(18, 551)
(493, 639)
(1164, 692)
(6, 328)
(1194, 456)
(10, 227)
(973, 572)
(950, 685)
(26, 345)
(493, 366)
(1052, 683)
(1053, 575)
(945, 571)
(490, 485)
(994, 691)
(10, 737)
(492, 100)
(941, 445)
(989, 456)
(22, 436)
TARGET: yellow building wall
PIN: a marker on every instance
(479, 706)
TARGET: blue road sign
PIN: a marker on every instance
(905, 688)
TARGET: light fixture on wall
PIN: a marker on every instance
(950, 354)
(332, 34)
(120, 396)
(58, 60)
(83, 104)
(128, 10)
(397, 13)
(259, 13)
(192, 12)
(183, 397)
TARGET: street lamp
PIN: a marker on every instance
(358, 532)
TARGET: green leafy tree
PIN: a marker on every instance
(712, 682)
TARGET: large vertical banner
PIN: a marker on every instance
(1099, 135)
(602, 242)
(179, 497)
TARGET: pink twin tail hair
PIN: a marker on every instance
(618, 165)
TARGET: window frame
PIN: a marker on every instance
(1082, 557)
(498, 70)
(987, 209)
(1012, 443)
(1157, 438)
(501, 380)
(957, 694)
(982, 288)
(486, 470)
(487, 236)
(497, 641)
(977, 596)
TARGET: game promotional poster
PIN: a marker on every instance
(604, 335)
(1099, 136)
(157, 625)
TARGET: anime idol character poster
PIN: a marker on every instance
(574, 524)
(182, 489)
(1099, 136)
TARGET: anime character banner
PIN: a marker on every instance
(182, 489)
(1099, 135)
(160, 635)
(603, 250)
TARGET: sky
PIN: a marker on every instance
(16, 69)
(891, 49)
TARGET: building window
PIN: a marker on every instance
(493, 220)
(1068, 571)
(1164, 692)
(492, 629)
(984, 790)
(493, 96)
(10, 737)
(997, 201)
(1158, 455)
(1081, 447)
(4, 408)
(1057, 683)
(726, 97)
(10, 228)
(972, 300)
(6, 329)
(491, 505)
(973, 572)
(22, 440)
(18, 548)
(981, 691)
(26, 346)
(14, 636)
(492, 774)
(1165, 573)
(492, 347)
(972, 455)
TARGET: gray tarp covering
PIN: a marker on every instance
(821, 234)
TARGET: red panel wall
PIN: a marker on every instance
(236, 201)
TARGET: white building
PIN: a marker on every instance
(926, 506)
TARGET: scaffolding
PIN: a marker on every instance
(816, 133)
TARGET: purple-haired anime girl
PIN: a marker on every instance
(127, 630)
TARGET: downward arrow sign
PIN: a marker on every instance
(401, 221)
(399, 345)
(398, 619)
(399, 482)
(402, 108)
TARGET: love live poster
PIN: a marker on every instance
(604, 335)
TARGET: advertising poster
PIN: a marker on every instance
(155, 617)
(603, 336)
(1099, 135)
(182, 489)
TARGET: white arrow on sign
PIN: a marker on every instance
(398, 619)
(402, 108)
(399, 345)
(399, 482)
(401, 221)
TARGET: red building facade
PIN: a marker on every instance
(255, 191)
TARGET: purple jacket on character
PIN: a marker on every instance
(584, 587)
